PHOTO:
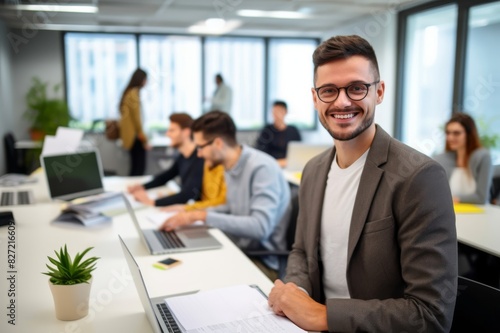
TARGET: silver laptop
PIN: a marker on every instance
(186, 239)
(156, 309)
(299, 153)
(73, 175)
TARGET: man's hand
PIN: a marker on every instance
(134, 187)
(142, 196)
(290, 301)
(183, 218)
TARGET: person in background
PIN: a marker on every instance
(187, 166)
(467, 163)
(223, 96)
(213, 191)
(131, 132)
(257, 209)
(375, 246)
(274, 138)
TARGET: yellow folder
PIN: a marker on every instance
(465, 208)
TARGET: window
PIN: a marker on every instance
(173, 64)
(181, 76)
(428, 77)
(290, 82)
(482, 72)
(98, 67)
(240, 61)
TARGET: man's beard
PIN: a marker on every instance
(367, 122)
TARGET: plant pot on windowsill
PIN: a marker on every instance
(70, 282)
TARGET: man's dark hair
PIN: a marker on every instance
(342, 47)
(182, 119)
(281, 103)
(216, 124)
(219, 77)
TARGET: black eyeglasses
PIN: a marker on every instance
(356, 91)
(208, 143)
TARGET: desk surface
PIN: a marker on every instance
(114, 302)
(482, 230)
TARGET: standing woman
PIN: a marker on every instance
(467, 163)
(133, 138)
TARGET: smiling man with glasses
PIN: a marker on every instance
(375, 248)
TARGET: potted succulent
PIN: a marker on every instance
(70, 282)
(46, 113)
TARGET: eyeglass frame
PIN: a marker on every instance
(208, 143)
(367, 85)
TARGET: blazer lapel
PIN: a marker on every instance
(370, 178)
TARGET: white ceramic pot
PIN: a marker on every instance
(72, 301)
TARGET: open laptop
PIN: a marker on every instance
(193, 238)
(73, 175)
(157, 312)
(299, 153)
(79, 175)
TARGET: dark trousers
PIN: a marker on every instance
(137, 159)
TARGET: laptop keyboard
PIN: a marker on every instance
(169, 240)
(168, 319)
(11, 198)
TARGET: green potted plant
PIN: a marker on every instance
(70, 282)
(46, 113)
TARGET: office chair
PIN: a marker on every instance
(495, 186)
(289, 236)
(14, 160)
(477, 308)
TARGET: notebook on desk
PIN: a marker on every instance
(180, 240)
(75, 175)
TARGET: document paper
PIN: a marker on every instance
(232, 309)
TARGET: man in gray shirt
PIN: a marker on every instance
(257, 207)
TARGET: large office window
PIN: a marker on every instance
(428, 77)
(98, 67)
(240, 61)
(173, 64)
(482, 72)
(181, 76)
(290, 82)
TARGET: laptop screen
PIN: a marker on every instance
(75, 175)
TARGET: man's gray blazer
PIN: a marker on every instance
(402, 248)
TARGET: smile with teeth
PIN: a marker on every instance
(343, 116)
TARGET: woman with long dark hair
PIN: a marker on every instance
(466, 161)
(133, 138)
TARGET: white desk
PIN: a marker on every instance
(481, 231)
(114, 303)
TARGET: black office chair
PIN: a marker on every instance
(14, 160)
(477, 308)
(289, 236)
(495, 186)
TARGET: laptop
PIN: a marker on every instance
(157, 312)
(192, 238)
(299, 153)
(73, 175)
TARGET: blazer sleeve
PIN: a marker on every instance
(482, 169)
(134, 105)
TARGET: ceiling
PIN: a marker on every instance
(176, 16)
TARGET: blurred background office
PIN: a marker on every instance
(435, 57)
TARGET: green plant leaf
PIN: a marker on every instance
(66, 271)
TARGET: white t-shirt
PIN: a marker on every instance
(340, 193)
(462, 182)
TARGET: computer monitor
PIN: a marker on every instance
(74, 175)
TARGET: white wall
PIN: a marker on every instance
(34, 53)
(380, 30)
